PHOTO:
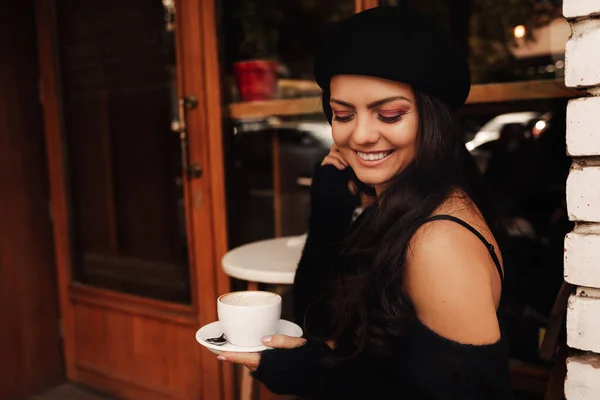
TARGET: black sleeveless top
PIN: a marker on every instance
(424, 364)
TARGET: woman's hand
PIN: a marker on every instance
(335, 158)
(251, 360)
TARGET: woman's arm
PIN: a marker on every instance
(331, 209)
(455, 288)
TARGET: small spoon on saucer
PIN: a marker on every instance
(219, 341)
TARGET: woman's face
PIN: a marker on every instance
(375, 124)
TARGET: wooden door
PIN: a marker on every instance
(132, 118)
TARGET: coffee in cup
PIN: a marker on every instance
(248, 316)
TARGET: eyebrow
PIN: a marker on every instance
(372, 105)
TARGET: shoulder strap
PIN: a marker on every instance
(487, 244)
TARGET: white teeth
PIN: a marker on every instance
(373, 156)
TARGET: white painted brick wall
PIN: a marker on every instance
(582, 246)
(582, 258)
(580, 8)
(583, 192)
(583, 126)
(583, 378)
(582, 66)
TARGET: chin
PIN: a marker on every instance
(372, 177)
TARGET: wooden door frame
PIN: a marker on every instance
(50, 92)
(209, 120)
(199, 75)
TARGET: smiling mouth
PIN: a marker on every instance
(373, 156)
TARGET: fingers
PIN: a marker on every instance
(284, 342)
(250, 360)
(335, 158)
(335, 161)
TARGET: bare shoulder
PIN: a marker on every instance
(452, 280)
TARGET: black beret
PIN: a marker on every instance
(397, 44)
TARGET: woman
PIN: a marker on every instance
(418, 277)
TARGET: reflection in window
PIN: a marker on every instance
(268, 39)
(256, 182)
(117, 66)
(506, 40)
(520, 149)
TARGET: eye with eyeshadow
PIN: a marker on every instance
(390, 117)
(342, 116)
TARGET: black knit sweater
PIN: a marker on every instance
(424, 365)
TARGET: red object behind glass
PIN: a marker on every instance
(256, 79)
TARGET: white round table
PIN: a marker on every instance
(267, 261)
(271, 261)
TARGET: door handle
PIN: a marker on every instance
(193, 170)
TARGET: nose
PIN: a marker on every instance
(364, 132)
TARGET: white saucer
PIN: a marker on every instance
(213, 330)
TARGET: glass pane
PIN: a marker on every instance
(506, 41)
(270, 162)
(521, 150)
(270, 175)
(117, 65)
(263, 40)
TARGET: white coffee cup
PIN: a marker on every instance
(248, 316)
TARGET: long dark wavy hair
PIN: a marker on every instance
(368, 303)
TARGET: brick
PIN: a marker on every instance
(582, 259)
(583, 194)
(583, 127)
(583, 324)
(582, 66)
(588, 292)
(583, 377)
(580, 8)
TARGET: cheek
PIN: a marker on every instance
(341, 135)
(402, 137)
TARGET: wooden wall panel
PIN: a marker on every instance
(137, 356)
(30, 351)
